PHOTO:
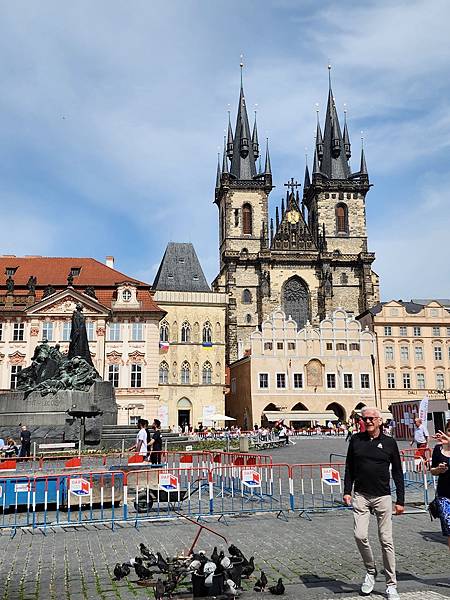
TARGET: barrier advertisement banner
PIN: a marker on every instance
(251, 478)
(168, 482)
(79, 487)
(331, 476)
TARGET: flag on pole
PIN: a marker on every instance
(163, 346)
(423, 413)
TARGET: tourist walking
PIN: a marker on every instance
(25, 442)
(140, 447)
(420, 437)
(367, 486)
(155, 446)
(440, 467)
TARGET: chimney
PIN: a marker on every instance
(110, 262)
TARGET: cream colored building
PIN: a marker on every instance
(122, 322)
(413, 347)
(191, 358)
(314, 370)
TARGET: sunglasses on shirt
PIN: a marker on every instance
(371, 419)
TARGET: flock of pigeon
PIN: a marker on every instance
(173, 571)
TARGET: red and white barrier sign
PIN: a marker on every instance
(22, 487)
(251, 478)
(79, 487)
(169, 482)
(331, 476)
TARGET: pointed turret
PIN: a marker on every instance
(277, 218)
(282, 208)
(307, 180)
(363, 166)
(243, 165)
(316, 168)
(334, 162)
(255, 139)
(219, 172)
(267, 167)
(319, 140)
(225, 160)
(230, 139)
(347, 146)
(271, 230)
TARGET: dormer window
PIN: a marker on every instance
(75, 271)
(10, 271)
(126, 295)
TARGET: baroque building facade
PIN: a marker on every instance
(192, 341)
(37, 298)
(413, 342)
(313, 374)
(314, 256)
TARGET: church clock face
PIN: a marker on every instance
(293, 216)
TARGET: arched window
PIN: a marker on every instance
(247, 226)
(246, 297)
(207, 333)
(185, 332)
(207, 374)
(296, 300)
(248, 318)
(163, 372)
(344, 279)
(185, 373)
(341, 218)
(164, 332)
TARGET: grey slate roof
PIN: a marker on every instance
(180, 270)
(411, 307)
(444, 301)
(243, 165)
(332, 165)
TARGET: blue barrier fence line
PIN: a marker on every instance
(54, 500)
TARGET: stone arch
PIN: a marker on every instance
(296, 300)
(299, 406)
(360, 406)
(338, 410)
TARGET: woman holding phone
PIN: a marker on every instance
(440, 467)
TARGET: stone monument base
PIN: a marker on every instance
(53, 410)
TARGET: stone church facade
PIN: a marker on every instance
(310, 260)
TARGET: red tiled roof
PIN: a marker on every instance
(54, 271)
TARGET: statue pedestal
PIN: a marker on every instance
(53, 409)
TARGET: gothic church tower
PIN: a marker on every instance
(314, 258)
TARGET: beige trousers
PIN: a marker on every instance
(382, 507)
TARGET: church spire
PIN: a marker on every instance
(334, 162)
(347, 145)
(316, 168)
(307, 179)
(363, 166)
(243, 165)
(219, 172)
(225, 160)
(319, 139)
(267, 167)
(255, 143)
(230, 139)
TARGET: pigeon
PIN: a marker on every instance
(234, 551)
(148, 555)
(263, 579)
(261, 584)
(215, 555)
(163, 565)
(169, 587)
(134, 561)
(249, 568)
(159, 589)
(121, 571)
(278, 589)
(142, 572)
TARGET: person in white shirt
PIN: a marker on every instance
(141, 439)
(420, 434)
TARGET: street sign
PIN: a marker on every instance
(169, 482)
(251, 478)
(331, 476)
(80, 487)
(21, 487)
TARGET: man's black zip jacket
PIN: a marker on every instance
(367, 466)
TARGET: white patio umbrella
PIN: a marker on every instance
(219, 417)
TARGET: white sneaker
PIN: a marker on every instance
(391, 593)
(368, 584)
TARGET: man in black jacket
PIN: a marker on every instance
(369, 457)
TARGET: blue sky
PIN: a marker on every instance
(111, 114)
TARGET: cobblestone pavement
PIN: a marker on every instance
(317, 559)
